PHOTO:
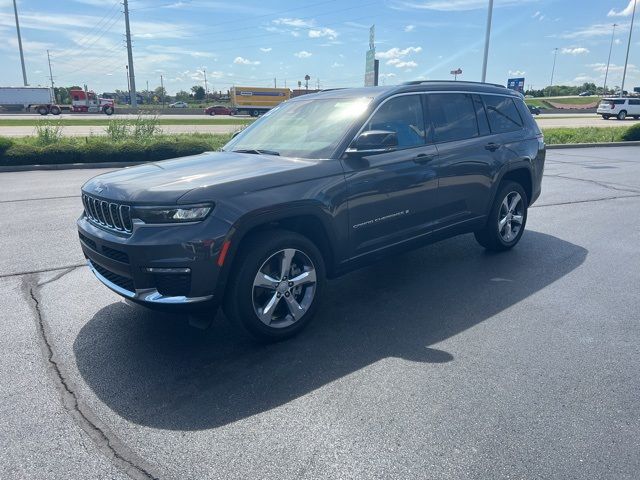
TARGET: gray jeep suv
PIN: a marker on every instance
(316, 187)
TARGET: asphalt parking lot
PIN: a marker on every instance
(446, 362)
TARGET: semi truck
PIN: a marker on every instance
(255, 101)
(42, 100)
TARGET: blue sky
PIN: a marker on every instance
(252, 42)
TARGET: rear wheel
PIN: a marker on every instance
(255, 113)
(275, 287)
(606, 117)
(42, 110)
(622, 115)
(55, 110)
(212, 113)
(507, 218)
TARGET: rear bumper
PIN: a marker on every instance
(170, 268)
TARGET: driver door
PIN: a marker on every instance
(392, 195)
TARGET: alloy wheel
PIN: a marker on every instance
(284, 288)
(511, 216)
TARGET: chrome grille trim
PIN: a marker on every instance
(110, 215)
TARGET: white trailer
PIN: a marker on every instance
(28, 98)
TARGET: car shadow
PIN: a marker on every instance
(154, 370)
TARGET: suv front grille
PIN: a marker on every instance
(113, 216)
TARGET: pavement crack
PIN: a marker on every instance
(107, 443)
(610, 186)
(44, 270)
(604, 199)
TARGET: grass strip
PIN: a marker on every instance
(97, 122)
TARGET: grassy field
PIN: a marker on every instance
(544, 102)
(69, 122)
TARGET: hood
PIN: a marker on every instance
(165, 182)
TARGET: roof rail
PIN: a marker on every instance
(420, 82)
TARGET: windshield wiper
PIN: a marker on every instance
(256, 151)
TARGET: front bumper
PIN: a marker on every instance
(164, 267)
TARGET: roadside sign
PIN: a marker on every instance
(516, 84)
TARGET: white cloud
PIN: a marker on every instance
(266, 49)
(574, 51)
(516, 73)
(396, 52)
(302, 54)
(336, 65)
(323, 32)
(596, 30)
(535, 15)
(387, 75)
(245, 61)
(396, 62)
(626, 12)
(294, 22)
(409, 28)
(455, 5)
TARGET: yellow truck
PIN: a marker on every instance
(255, 101)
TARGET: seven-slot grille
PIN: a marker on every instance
(108, 214)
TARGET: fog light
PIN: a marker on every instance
(167, 270)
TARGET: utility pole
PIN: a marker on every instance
(50, 73)
(162, 88)
(275, 84)
(606, 74)
(131, 75)
(626, 60)
(206, 88)
(486, 42)
(318, 83)
(553, 69)
(24, 70)
(128, 82)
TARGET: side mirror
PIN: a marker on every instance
(374, 141)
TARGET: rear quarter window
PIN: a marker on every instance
(502, 114)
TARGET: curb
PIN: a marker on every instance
(77, 166)
(592, 145)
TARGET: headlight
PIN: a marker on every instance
(177, 214)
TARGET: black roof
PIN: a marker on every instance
(415, 86)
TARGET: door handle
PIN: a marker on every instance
(492, 146)
(423, 158)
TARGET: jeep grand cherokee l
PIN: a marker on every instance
(318, 186)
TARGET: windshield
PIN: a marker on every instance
(302, 128)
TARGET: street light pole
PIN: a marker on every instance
(606, 73)
(553, 69)
(24, 70)
(626, 60)
(486, 42)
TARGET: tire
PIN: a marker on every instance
(255, 113)
(108, 110)
(55, 110)
(212, 113)
(494, 238)
(245, 301)
(606, 117)
(42, 110)
(622, 115)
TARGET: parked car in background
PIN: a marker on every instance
(219, 110)
(533, 109)
(323, 184)
(178, 105)
(585, 94)
(620, 108)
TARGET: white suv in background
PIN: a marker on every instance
(620, 108)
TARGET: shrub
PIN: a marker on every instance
(632, 133)
(48, 132)
(5, 143)
(118, 129)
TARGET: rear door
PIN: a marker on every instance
(392, 195)
(469, 156)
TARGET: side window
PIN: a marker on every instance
(502, 113)
(483, 123)
(402, 115)
(634, 102)
(453, 116)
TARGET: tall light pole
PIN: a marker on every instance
(626, 60)
(486, 42)
(132, 76)
(24, 70)
(553, 69)
(606, 73)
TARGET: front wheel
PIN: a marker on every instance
(507, 219)
(212, 113)
(622, 115)
(108, 110)
(276, 285)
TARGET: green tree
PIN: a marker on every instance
(182, 96)
(198, 92)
